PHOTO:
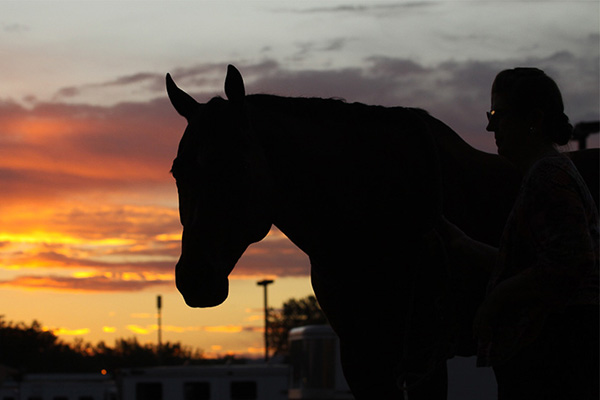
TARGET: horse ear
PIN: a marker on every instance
(234, 85)
(184, 104)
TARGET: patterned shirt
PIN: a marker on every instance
(552, 233)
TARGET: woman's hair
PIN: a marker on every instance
(528, 89)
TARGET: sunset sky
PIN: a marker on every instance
(89, 228)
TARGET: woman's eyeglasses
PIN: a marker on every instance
(493, 114)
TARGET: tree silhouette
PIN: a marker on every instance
(295, 313)
(23, 346)
(30, 348)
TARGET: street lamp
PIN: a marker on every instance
(264, 283)
(159, 315)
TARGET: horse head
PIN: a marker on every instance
(224, 190)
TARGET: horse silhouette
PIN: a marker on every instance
(359, 189)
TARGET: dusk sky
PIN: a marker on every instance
(89, 228)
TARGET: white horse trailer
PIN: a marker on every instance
(316, 370)
(216, 382)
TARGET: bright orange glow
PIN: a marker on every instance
(60, 238)
(143, 315)
(67, 332)
(177, 329)
(168, 237)
(224, 329)
(256, 350)
(32, 283)
(138, 329)
(90, 231)
(40, 127)
(84, 274)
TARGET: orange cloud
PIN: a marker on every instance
(71, 284)
(54, 151)
(232, 329)
(224, 329)
(139, 329)
(67, 332)
(86, 188)
(227, 329)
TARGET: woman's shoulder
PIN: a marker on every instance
(556, 178)
(558, 161)
(554, 169)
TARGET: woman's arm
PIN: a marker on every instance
(467, 253)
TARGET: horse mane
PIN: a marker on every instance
(318, 106)
(359, 116)
(371, 118)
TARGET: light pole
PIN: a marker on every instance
(264, 283)
(159, 307)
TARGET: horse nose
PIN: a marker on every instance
(199, 285)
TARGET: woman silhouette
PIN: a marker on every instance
(538, 325)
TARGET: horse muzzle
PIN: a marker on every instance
(200, 286)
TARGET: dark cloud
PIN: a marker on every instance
(15, 28)
(380, 9)
(138, 78)
(393, 67)
(142, 82)
(336, 44)
(308, 48)
(67, 92)
(456, 92)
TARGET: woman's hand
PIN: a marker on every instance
(449, 232)
(469, 256)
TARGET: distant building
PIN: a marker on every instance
(217, 382)
(59, 387)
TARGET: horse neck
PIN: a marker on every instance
(335, 165)
(296, 160)
(451, 146)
